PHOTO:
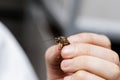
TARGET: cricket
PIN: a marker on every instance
(62, 40)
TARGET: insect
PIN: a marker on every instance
(62, 40)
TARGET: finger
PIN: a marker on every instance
(53, 60)
(100, 67)
(52, 55)
(80, 49)
(83, 75)
(91, 38)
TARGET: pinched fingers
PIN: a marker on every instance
(97, 66)
(91, 38)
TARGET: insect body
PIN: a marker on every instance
(62, 40)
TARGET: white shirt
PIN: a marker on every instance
(14, 64)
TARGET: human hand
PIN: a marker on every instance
(88, 57)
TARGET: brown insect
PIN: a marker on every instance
(62, 40)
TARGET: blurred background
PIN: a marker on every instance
(35, 23)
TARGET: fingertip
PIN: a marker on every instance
(66, 65)
(52, 52)
(106, 40)
(50, 49)
(68, 78)
(67, 51)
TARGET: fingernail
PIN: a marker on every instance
(68, 49)
(68, 78)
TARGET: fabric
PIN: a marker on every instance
(14, 64)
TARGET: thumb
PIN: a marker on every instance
(53, 60)
(53, 56)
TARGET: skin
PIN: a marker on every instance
(88, 57)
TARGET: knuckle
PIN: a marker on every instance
(84, 48)
(116, 73)
(107, 40)
(84, 60)
(76, 47)
(115, 57)
(81, 48)
(91, 38)
(84, 57)
(88, 37)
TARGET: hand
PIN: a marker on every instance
(88, 57)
